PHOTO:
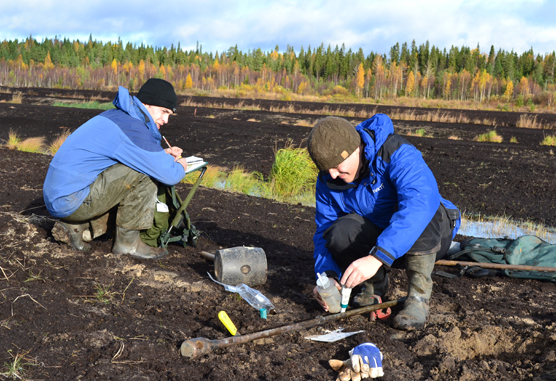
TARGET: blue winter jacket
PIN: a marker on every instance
(126, 135)
(399, 194)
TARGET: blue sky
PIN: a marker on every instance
(373, 25)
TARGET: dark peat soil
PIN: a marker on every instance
(96, 315)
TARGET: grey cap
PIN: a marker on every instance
(331, 141)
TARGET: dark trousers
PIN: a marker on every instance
(352, 237)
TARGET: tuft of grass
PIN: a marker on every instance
(305, 123)
(13, 140)
(528, 121)
(213, 176)
(35, 145)
(238, 180)
(15, 369)
(34, 277)
(549, 140)
(95, 105)
(293, 172)
(420, 132)
(103, 293)
(513, 139)
(58, 141)
(490, 136)
(17, 98)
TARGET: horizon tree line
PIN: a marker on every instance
(407, 70)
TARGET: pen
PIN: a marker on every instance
(169, 146)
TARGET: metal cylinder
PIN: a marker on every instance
(241, 264)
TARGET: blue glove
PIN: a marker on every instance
(366, 359)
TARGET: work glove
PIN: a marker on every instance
(365, 361)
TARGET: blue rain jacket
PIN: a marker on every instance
(126, 135)
(398, 194)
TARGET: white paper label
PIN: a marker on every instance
(161, 207)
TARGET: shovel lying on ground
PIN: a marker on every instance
(200, 346)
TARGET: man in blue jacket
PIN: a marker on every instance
(114, 161)
(377, 206)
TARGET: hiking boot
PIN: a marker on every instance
(71, 234)
(129, 242)
(375, 286)
(416, 307)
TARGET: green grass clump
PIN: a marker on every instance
(293, 173)
(16, 368)
(212, 177)
(513, 139)
(238, 180)
(103, 294)
(95, 105)
(490, 136)
(549, 140)
(420, 132)
(13, 140)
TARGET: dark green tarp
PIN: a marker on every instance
(527, 250)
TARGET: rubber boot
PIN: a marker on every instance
(72, 234)
(129, 242)
(416, 307)
(377, 285)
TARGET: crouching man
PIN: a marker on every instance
(115, 160)
(377, 207)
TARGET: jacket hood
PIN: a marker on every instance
(134, 108)
(382, 127)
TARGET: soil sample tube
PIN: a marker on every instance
(329, 293)
(346, 292)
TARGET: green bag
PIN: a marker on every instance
(166, 227)
(161, 219)
(527, 250)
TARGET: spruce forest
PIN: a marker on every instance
(411, 71)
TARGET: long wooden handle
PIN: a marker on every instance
(200, 345)
(207, 255)
(443, 262)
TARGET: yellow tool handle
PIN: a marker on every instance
(225, 319)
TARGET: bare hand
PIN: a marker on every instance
(318, 297)
(183, 162)
(360, 270)
(175, 152)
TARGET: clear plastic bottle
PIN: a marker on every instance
(329, 293)
(254, 297)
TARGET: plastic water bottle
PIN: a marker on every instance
(329, 293)
(254, 297)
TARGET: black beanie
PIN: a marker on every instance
(158, 92)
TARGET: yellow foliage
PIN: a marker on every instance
(48, 62)
(360, 81)
(509, 89)
(524, 86)
(216, 65)
(302, 88)
(188, 82)
(115, 66)
(410, 84)
(141, 69)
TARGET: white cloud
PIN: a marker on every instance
(374, 25)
